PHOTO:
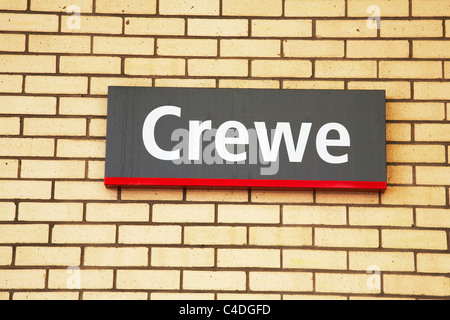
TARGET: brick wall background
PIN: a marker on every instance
(64, 235)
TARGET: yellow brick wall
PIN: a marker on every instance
(63, 235)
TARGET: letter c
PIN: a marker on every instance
(148, 133)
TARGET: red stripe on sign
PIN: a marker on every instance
(357, 185)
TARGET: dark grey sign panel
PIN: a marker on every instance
(246, 138)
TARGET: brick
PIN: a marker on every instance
(28, 233)
(344, 29)
(248, 258)
(182, 257)
(150, 234)
(386, 261)
(17, 189)
(89, 279)
(27, 64)
(214, 280)
(218, 27)
(432, 132)
(431, 49)
(116, 257)
(415, 153)
(281, 281)
(433, 218)
(286, 236)
(99, 86)
(83, 106)
(357, 238)
(388, 8)
(59, 44)
(5, 256)
(90, 65)
(54, 127)
(282, 196)
(128, 45)
(185, 83)
(282, 68)
(47, 256)
(115, 296)
(29, 22)
(83, 191)
(56, 85)
(377, 48)
(281, 28)
(314, 48)
(81, 148)
(316, 215)
(217, 195)
(363, 216)
(261, 214)
(60, 5)
(432, 90)
(7, 211)
(48, 169)
(254, 8)
(182, 296)
(23, 147)
(13, 5)
(250, 84)
(437, 8)
(121, 7)
(93, 24)
(250, 48)
(411, 69)
(416, 285)
(315, 8)
(315, 259)
(433, 263)
(46, 296)
(28, 104)
(97, 128)
(309, 297)
(202, 213)
(49, 212)
(155, 26)
(96, 170)
(415, 111)
(411, 28)
(117, 212)
(414, 196)
(215, 235)
(11, 83)
(398, 132)
(433, 175)
(336, 85)
(447, 70)
(414, 239)
(152, 194)
(346, 69)
(218, 67)
(9, 126)
(4, 296)
(22, 279)
(9, 168)
(189, 7)
(187, 47)
(344, 283)
(346, 197)
(12, 42)
(83, 234)
(394, 89)
(249, 296)
(399, 175)
(155, 66)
